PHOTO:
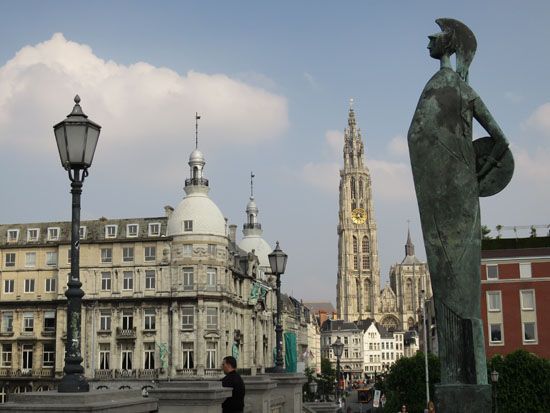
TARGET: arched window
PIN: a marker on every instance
(366, 246)
(353, 188)
(355, 246)
(367, 294)
(355, 262)
(195, 172)
(360, 188)
(408, 295)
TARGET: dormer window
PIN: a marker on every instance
(188, 225)
(154, 229)
(82, 232)
(13, 235)
(132, 230)
(53, 234)
(110, 231)
(32, 234)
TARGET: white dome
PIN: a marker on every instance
(196, 156)
(205, 214)
(259, 245)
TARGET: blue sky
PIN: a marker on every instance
(272, 82)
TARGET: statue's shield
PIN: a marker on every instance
(500, 175)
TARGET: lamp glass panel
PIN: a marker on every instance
(76, 135)
(91, 143)
(61, 144)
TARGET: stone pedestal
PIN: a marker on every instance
(97, 401)
(190, 396)
(258, 391)
(289, 389)
(459, 398)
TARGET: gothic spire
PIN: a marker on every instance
(409, 246)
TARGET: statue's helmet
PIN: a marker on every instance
(463, 41)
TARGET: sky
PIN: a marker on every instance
(272, 83)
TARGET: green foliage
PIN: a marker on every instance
(327, 379)
(308, 395)
(406, 383)
(523, 382)
(485, 231)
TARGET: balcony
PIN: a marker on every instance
(103, 374)
(150, 374)
(43, 372)
(186, 372)
(125, 374)
(213, 372)
(196, 181)
(252, 226)
(126, 333)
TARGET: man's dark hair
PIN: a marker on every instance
(232, 361)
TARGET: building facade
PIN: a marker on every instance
(515, 284)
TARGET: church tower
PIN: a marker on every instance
(358, 285)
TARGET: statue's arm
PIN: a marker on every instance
(485, 119)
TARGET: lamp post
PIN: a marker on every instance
(277, 262)
(338, 348)
(76, 138)
(494, 379)
(313, 388)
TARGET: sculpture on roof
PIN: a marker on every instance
(450, 174)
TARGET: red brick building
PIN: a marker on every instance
(515, 295)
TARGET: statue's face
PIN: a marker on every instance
(438, 45)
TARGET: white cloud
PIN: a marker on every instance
(539, 122)
(323, 176)
(392, 181)
(398, 146)
(335, 141)
(138, 104)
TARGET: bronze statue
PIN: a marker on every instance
(450, 174)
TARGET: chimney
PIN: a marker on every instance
(232, 233)
(168, 211)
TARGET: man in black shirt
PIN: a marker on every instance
(235, 403)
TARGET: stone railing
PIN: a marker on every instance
(213, 372)
(125, 374)
(148, 374)
(103, 374)
(7, 372)
(125, 333)
(186, 372)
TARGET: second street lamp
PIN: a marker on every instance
(277, 262)
(76, 138)
(338, 348)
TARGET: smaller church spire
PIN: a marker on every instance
(252, 226)
(351, 120)
(409, 246)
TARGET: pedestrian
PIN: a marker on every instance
(235, 403)
(403, 409)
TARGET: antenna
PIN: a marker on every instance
(197, 117)
(351, 103)
(252, 184)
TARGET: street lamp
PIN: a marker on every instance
(76, 138)
(494, 379)
(338, 348)
(277, 262)
(313, 388)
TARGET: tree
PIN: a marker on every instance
(326, 381)
(406, 383)
(523, 382)
(485, 231)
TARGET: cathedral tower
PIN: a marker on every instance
(358, 285)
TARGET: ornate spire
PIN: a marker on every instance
(352, 132)
(252, 185)
(196, 181)
(252, 226)
(197, 117)
(409, 246)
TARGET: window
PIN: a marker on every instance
(106, 255)
(13, 235)
(154, 229)
(48, 355)
(110, 231)
(355, 262)
(104, 357)
(128, 254)
(212, 250)
(30, 259)
(5, 358)
(493, 301)
(32, 234)
(149, 356)
(69, 255)
(492, 272)
(495, 333)
(29, 285)
(126, 360)
(525, 270)
(128, 280)
(50, 285)
(106, 281)
(150, 279)
(82, 232)
(188, 278)
(51, 258)
(26, 360)
(150, 253)
(49, 321)
(132, 230)
(211, 277)
(9, 286)
(188, 225)
(211, 317)
(7, 322)
(187, 318)
(127, 320)
(187, 250)
(53, 234)
(527, 300)
(187, 355)
(28, 322)
(149, 318)
(10, 259)
(529, 332)
(211, 355)
(105, 320)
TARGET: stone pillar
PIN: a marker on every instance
(97, 401)
(289, 387)
(258, 390)
(190, 396)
